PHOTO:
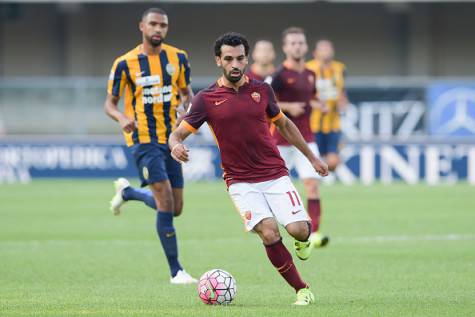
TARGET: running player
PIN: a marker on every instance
(263, 56)
(326, 122)
(237, 108)
(294, 86)
(154, 76)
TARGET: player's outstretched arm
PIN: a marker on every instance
(186, 94)
(292, 134)
(112, 109)
(178, 150)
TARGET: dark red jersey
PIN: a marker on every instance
(254, 76)
(293, 86)
(251, 73)
(238, 120)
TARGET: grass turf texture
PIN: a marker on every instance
(396, 251)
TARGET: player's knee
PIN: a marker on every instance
(302, 235)
(178, 208)
(332, 167)
(270, 236)
(333, 160)
(163, 198)
(268, 231)
(164, 201)
(299, 230)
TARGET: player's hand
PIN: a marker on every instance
(296, 109)
(127, 124)
(342, 104)
(316, 104)
(320, 167)
(324, 108)
(180, 153)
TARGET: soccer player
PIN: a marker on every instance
(154, 76)
(325, 121)
(294, 86)
(237, 108)
(263, 56)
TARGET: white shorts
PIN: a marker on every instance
(271, 199)
(295, 159)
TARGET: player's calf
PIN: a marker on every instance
(281, 259)
(177, 201)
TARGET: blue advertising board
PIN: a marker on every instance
(451, 109)
(366, 163)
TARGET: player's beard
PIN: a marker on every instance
(154, 42)
(297, 58)
(234, 79)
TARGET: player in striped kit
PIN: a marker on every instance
(156, 79)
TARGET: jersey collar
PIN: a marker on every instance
(221, 82)
(287, 65)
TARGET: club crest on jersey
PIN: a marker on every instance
(145, 172)
(170, 69)
(256, 96)
(248, 215)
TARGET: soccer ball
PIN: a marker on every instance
(217, 287)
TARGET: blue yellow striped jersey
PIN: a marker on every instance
(151, 85)
(330, 87)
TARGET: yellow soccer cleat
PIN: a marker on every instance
(303, 249)
(304, 297)
(318, 240)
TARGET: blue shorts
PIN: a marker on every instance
(328, 142)
(155, 164)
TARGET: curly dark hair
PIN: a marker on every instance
(232, 39)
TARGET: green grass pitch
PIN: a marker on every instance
(396, 251)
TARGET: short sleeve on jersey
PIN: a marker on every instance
(272, 109)
(185, 73)
(196, 114)
(117, 78)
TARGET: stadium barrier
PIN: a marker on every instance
(432, 163)
(403, 130)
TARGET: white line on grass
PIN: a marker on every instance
(338, 240)
(408, 238)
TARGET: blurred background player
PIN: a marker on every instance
(236, 108)
(263, 56)
(294, 86)
(326, 121)
(154, 75)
